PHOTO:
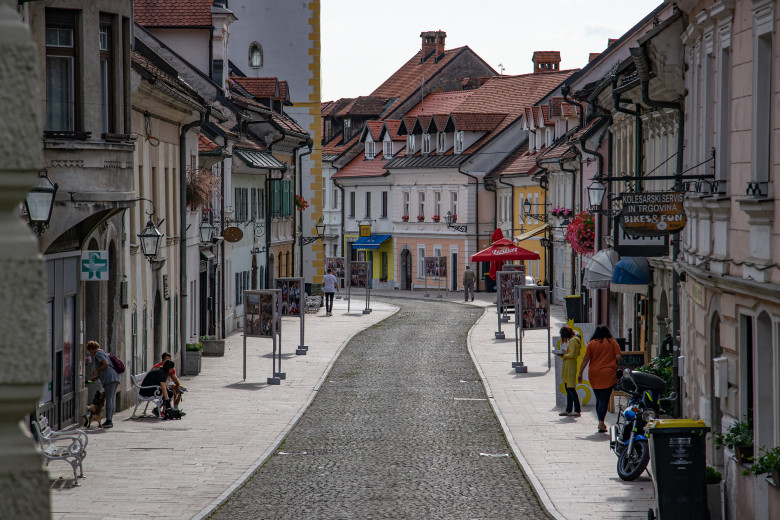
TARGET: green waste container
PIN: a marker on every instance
(678, 466)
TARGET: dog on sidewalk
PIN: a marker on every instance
(95, 410)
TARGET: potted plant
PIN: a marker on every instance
(768, 463)
(581, 233)
(714, 501)
(738, 437)
(436, 218)
(300, 203)
(420, 218)
(405, 218)
(212, 346)
(192, 359)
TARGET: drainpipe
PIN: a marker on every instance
(298, 161)
(268, 209)
(183, 230)
(476, 215)
(643, 70)
(343, 201)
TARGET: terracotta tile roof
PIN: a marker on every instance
(362, 167)
(509, 95)
(224, 129)
(172, 81)
(470, 122)
(334, 148)
(562, 149)
(392, 126)
(424, 123)
(440, 121)
(246, 102)
(408, 79)
(440, 102)
(250, 144)
(407, 124)
(570, 110)
(555, 104)
(546, 119)
(547, 56)
(259, 87)
(360, 106)
(284, 91)
(326, 107)
(288, 124)
(172, 13)
(592, 56)
(205, 144)
(582, 131)
(374, 128)
(519, 162)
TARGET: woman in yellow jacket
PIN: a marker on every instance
(569, 371)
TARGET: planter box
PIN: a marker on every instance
(213, 347)
(192, 362)
(744, 453)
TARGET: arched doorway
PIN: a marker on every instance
(406, 270)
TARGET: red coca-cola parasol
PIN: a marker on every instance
(500, 251)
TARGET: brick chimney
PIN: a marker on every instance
(432, 43)
(546, 61)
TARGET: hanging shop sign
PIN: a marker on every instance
(653, 214)
(365, 230)
(232, 234)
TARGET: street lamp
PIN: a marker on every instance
(449, 218)
(538, 216)
(150, 236)
(320, 226)
(206, 231)
(545, 242)
(40, 202)
(596, 192)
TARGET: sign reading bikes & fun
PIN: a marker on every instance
(653, 214)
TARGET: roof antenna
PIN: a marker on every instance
(500, 69)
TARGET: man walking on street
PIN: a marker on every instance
(469, 277)
(331, 285)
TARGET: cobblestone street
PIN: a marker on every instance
(401, 428)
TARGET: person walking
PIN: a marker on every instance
(569, 371)
(469, 277)
(603, 355)
(330, 287)
(104, 370)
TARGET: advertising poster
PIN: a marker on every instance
(435, 267)
(260, 311)
(338, 265)
(506, 282)
(358, 274)
(290, 290)
(535, 307)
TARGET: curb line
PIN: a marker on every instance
(536, 485)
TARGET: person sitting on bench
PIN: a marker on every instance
(158, 378)
(174, 385)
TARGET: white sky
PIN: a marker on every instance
(364, 43)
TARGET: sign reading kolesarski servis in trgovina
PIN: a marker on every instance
(653, 213)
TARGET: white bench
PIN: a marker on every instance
(70, 446)
(156, 398)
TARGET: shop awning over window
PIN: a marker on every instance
(257, 159)
(631, 275)
(531, 233)
(372, 242)
(600, 268)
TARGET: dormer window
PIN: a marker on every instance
(410, 144)
(459, 141)
(370, 150)
(255, 55)
(388, 149)
(442, 142)
(426, 143)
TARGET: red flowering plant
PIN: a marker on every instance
(581, 233)
(300, 203)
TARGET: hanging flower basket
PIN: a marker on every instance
(300, 203)
(581, 233)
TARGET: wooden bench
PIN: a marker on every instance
(70, 446)
(156, 398)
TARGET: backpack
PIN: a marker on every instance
(117, 364)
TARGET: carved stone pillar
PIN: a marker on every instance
(24, 484)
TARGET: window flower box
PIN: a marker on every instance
(420, 218)
(436, 218)
(561, 212)
(405, 218)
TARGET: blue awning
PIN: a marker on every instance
(372, 242)
(631, 275)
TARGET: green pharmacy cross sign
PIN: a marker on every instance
(94, 266)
